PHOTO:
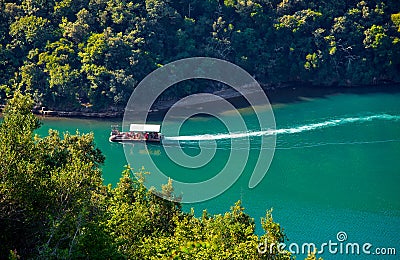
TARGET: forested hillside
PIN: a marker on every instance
(76, 54)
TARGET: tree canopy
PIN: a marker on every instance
(75, 55)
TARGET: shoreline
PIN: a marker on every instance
(284, 93)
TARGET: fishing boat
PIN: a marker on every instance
(137, 133)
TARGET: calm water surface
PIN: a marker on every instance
(336, 167)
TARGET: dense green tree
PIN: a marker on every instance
(48, 188)
(62, 71)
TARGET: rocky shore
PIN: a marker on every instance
(277, 94)
(78, 113)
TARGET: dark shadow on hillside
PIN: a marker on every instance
(283, 95)
(301, 93)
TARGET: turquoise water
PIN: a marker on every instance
(336, 167)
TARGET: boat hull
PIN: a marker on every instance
(118, 139)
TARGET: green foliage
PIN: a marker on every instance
(396, 20)
(273, 236)
(303, 18)
(47, 188)
(30, 30)
(59, 61)
(95, 52)
(374, 36)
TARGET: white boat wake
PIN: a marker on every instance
(293, 130)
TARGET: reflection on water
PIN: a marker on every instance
(155, 152)
(141, 148)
